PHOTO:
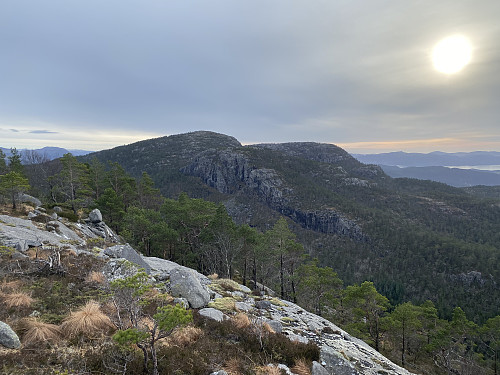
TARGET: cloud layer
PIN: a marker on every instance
(347, 72)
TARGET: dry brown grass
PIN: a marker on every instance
(241, 320)
(268, 370)
(213, 276)
(267, 328)
(185, 336)
(18, 300)
(8, 286)
(301, 367)
(95, 277)
(39, 333)
(88, 321)
(233, 366)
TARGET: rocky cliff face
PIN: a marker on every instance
(230, 172)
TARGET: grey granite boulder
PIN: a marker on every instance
(161, 269)
(335, 363)
(28, 198)
(317, 369)
(275, 325)
(95, 216)
(8, 337)
(127, 252)
(263, 304)
(185, 284)
(212, 313)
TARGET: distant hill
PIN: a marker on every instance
(50, 153)
(414, 239)
(451, 176)
(437, 158)
(433, 166)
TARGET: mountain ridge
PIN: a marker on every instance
(399, 233)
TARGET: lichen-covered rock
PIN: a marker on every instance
(161, 269)
(127, 252)
(8, 337)
(212, 313)
(184, 283)
(95, 216)
(30, 199)
(317, 369)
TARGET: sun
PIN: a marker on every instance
(451, 54)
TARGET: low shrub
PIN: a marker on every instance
(71, 216)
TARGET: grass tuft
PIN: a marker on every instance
(17, 300)
(233, 366)
(39, 333)
(241, 320)
(301, 367)
(225, 304)
(89, 321)
(185, 336)
(95, 277)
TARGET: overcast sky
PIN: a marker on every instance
(357, 73)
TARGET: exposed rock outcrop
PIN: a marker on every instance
(229, 171)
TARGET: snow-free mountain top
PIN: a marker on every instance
(48, 153)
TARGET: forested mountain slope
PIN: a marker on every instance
(415, 239)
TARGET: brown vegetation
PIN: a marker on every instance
(301, 367)
(241, 320)
(95, 277)
(18, 300)
(39, 333)
(89, 321)
(185, 336)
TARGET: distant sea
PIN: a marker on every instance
(491, 168)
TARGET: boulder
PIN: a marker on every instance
(335, 363)
(57, 209)
(28, 198)
(275, 325)
(95, 216)
(220, 372)
(8, 337)
(161, 269)
(263, 304)
(317, 369)
(127, 252)
(185, 284)
(212, 313)
(242, 306)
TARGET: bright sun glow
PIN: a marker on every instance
(451, 54)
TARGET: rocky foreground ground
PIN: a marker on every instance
(340, 353)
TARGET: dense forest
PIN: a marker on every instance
(415, 240)
(432, 337)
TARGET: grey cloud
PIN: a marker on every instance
(42, 132)
(268, 67)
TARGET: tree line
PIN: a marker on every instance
(200, 234)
